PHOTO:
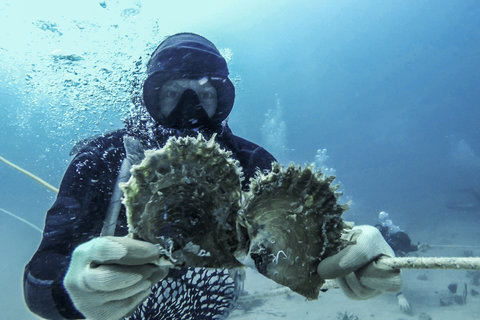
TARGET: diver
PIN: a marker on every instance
(398, 239)
(401, 244)
(77, 273)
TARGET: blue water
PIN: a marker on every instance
(389, 88)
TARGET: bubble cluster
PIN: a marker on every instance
(81, 73)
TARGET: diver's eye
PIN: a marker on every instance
(207, 95)
(171, 94)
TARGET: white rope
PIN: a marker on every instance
(21, 220)
(431, 262)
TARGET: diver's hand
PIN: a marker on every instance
(109, 276)
(356, 268)
(403, 303)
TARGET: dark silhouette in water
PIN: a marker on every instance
(399, 241)
(470, 203)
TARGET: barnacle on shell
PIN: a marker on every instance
(185, 198)
(291, 221)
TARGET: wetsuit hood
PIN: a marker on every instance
(188, 55)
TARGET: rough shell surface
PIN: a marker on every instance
(290, 221)
(185, 198)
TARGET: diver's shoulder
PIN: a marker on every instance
(239, 142)
(102, 141)
(244, 145)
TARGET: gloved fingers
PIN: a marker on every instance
(389, 284)
(115, 277)
(158, 275)
(403, 303)
(354, 289)
(128, 306)
(350, 234)
(329, 267)
(109, 276)
(99, 249)
(129, 251)
(360, 291)
(381, 277)
(119, 250)
(104, 298)
(369, 244)
(141, 288)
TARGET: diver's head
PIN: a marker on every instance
(187, 84)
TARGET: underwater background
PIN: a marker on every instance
(383, 94)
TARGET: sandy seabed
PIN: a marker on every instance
(423, 288)
(423, 295)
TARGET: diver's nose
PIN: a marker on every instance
(189, 100)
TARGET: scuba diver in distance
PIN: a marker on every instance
(401, 244)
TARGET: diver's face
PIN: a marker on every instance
(172, 90)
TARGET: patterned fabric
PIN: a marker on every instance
(192, 294)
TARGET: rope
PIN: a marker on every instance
(431, 262)
(439, 263)
(34, 177)
(451, 246)
(21, 219)
(31, 175)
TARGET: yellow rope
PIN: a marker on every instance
(31, 175)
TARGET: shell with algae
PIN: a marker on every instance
(290, 221)
(185, 198)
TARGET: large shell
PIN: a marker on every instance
(185, 197)
(291, 221)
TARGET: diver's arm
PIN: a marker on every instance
(46, 297)
(75, 217)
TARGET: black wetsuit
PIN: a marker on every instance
(78, 214)
(399, 241)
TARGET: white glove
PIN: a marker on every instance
(356, 269)
(109, 276)
(403, 303)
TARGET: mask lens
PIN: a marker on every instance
(188, 112)
(187, 103)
